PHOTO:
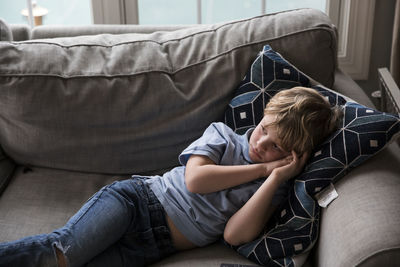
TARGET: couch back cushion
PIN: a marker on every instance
(131, 103)
(5, 31)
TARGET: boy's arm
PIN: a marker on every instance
(203, 176)
(247, 223)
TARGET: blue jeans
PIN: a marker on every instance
(123, 224)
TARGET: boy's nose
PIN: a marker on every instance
(262, 144)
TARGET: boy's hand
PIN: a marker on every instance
(272, 165)
(292, 168)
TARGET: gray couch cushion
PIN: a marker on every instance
(7, 167)
(209, 256)
(53, 31)
(5, 31)
(20, 32)
(130, 103)
(41, 200)
(346, 224)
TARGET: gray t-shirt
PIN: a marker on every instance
(201, 218)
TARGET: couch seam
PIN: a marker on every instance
(167, 41)
(6, 180)
(174, 72)
(377, 252)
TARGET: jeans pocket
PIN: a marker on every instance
(142, 246)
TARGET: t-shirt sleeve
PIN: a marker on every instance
(211, 144)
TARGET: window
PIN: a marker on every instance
(354, 19)
(212, 11)
(167, 12)
(66, 12)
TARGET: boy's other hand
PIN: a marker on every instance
(272, 165)
(293, 167)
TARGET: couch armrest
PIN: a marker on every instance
(360, 228)
(7, 167)
(390, 92)
(348, 87)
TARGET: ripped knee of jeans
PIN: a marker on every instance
(60, 251)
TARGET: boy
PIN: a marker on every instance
(220, 190)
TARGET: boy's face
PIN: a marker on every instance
(264, 144)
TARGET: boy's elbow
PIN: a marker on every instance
(230, 240)
(233, 239)
(191, 185)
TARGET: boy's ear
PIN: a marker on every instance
(304, 154)
(307, 155)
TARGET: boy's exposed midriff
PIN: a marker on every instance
(178, 239)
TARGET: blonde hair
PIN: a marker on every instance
(304, 118)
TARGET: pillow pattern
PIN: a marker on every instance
(268, 74)
(294, 227)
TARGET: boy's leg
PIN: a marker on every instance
(97, 225)
(142, 245)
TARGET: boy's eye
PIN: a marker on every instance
(275, 146)
(263, 129)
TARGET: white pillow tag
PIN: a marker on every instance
(326, 196)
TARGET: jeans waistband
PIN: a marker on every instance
(158, 220)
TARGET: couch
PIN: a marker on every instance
(83, 106)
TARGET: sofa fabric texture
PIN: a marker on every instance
(364, 216)
(149, 110)
(20, 32)
(5, 31)
(7, 167)
(77, 113)
(54, 31)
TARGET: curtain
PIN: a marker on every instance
(395, 57)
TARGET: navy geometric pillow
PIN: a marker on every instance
(268, 74)
(363, 132)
